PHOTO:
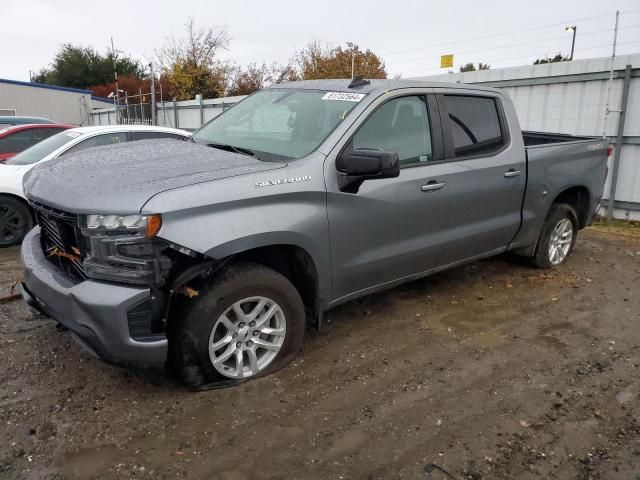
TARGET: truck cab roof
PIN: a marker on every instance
(373, 85)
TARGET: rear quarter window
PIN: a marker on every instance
(155, 135)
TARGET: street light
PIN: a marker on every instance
(573, 29)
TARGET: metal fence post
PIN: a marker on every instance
(175, 114)
(200, 104)
(618, 148)
(153, 96)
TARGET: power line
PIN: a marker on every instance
(519, 57)
(512, 45)
(506, 33)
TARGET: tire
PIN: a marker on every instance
(198, 325)
(15, 221)
(561, 218)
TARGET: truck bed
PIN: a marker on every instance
(542, 138)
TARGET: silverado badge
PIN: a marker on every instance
(282, 181)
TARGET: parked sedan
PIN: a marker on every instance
(16, 218)
(17, 138)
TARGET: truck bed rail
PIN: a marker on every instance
(542, 138)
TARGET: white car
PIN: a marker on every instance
(15, 215)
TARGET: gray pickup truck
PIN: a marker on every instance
(212, 256)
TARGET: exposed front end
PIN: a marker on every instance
(101, 276)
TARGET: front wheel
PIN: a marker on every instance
(248, 322)
(558, 237)
(15, 221)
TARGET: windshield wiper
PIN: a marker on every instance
(231, 148)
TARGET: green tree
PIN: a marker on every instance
(558, 57)
(191, 65)
(470, 67)
(248, 80)
(316, 61)
(80, 67)
(245, 81)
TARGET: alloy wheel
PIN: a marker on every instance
(12, 224)
(560, 241)
(247, 337)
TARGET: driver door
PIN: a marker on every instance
(390, 229)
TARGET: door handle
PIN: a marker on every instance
(432, 186)
(511, 173)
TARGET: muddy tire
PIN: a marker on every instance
(247, 322)
(557, 238)
(15, 221)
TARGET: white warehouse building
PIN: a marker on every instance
(61, 104)
(570, 97)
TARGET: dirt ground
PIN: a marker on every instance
(491, 371)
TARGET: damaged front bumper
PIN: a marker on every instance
(102, 316)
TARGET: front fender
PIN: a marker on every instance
(287, 238)
(237, 214)
(220, 233)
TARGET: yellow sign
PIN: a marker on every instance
(446, 61)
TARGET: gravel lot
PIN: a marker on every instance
(491, 371)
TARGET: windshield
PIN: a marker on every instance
(40, 150)
(279, 124)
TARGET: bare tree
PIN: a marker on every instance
(198, 47)
(191, 62)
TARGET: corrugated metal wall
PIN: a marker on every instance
(188, 114)
(569, 97)
(59, 105)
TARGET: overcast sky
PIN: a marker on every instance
(409, 35)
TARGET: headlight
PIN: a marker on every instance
(146, 225)
(124, 248)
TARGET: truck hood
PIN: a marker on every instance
(122, 178)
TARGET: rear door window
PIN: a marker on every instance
(17, 142)
(474, 123)
(40, 134)
(154, 135)
(98, 141)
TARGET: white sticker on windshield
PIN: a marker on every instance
(72, 134)
(343, 96)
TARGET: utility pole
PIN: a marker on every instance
(353, 65)
(574, 29)
(613, 57)
(612, 188)
(153, 95)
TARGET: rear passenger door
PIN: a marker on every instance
(484, 175)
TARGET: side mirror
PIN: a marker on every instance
(368, 163)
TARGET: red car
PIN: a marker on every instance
(17, 138)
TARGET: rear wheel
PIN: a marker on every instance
(248, 322)
(558, 237)
(15, 221)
